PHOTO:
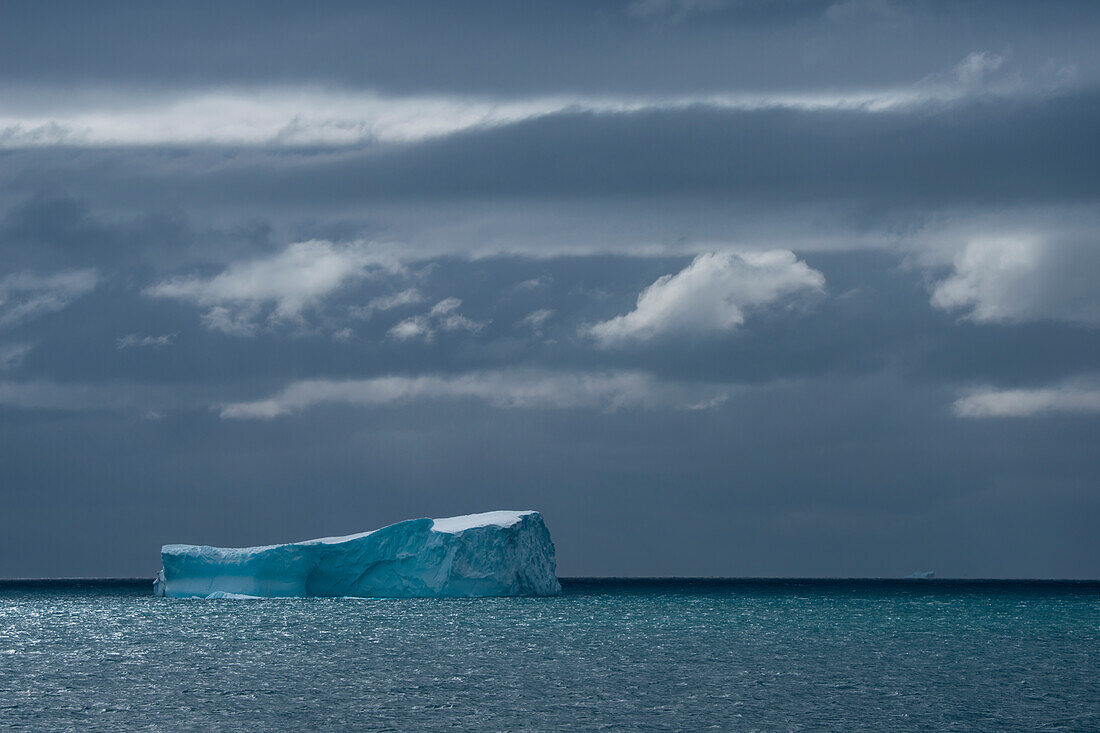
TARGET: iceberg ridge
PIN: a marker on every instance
(502, 553)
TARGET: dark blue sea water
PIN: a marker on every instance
(658, 655)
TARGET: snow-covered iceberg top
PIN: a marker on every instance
(502, 553)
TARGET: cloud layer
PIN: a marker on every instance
(1073, 398)
(306, 117)
(522, 389)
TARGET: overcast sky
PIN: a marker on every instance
(722, 287)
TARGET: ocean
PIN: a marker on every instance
(740, 655)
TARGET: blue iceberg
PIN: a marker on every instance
(503, 553)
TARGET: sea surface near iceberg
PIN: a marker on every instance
(650, 654)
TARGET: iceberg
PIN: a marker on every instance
(502, 553)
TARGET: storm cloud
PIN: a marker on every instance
(799, 288)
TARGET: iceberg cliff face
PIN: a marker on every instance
(503, 553)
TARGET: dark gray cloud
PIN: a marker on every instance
(869, 479)
(499, 47)
(990, 152)
(723, 288)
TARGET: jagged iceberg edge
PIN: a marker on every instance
(501, 553)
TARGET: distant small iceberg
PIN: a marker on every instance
(921, 575)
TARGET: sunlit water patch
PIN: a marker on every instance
(667, 655)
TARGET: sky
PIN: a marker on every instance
(721, 287)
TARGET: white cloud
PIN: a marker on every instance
(976, 67)
(296, 279)
(412, 328)
(445, 306)
(536, 319)
(238, 320)
(306, 116)
(443, 316)
(520, 389)
(1070, 398)
(24, 296)
(459, 322)
(132, 340)
(534, 283)
(709, 296)
(12, 355)
(987, 279)
(410, 296)
(1023, 278)
(510, 390)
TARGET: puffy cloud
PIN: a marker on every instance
(709, 296)
(443, 316)
(290, 282)
(447, 317)
(24, 296)
(977, 66)
(459, 322)
(239, 320)
(1081, 397)
(521, 389)
(411, 328)
(1023, 278)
